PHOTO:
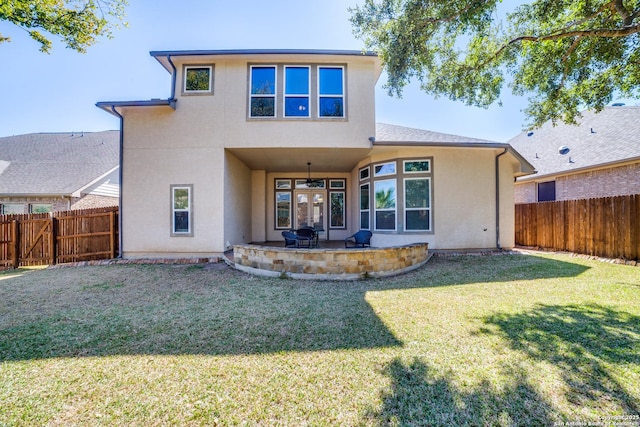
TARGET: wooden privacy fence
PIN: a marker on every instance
(59, 237)
(608, 227)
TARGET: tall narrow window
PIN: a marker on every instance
(283, 209)
(385, 203)
(296, 91)
(364, 207)
(337, 209)
(417, 204)
(331, 91)
(263, 92)
(198, 79)
(181, 217)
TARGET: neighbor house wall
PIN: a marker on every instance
(608, 182)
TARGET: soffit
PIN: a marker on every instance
(296, 159)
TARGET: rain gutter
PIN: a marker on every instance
(120, 169)
(498, 198)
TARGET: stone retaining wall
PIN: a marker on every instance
(330, 264)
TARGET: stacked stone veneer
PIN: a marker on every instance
(330, 264)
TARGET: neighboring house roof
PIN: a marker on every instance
(599, 140)
(387, 134)
(56, 163)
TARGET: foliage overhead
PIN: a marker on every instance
(565, 55)
(78, 23)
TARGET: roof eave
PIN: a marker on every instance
(580, 169)
(526, 168)
(162, 55)
(109, 106)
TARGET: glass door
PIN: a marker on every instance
(311, 209)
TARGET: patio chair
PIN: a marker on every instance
(305, 237)
(290, 239)
(359, 240)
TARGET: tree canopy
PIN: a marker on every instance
(78, 23)
(564, 55)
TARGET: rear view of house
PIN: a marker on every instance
(255, 142)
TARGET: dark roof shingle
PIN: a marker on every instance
(55, 163)
(608, 137)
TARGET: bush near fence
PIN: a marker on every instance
(606, 227)
(58, 237)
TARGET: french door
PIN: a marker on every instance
(311, 209)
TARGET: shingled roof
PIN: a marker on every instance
(393, 133)
(600, 139)
(55, 163)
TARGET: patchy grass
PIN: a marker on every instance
(495, 340)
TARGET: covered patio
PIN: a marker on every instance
(332, 261)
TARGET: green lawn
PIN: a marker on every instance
(475, 340)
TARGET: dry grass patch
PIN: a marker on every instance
(500, 340)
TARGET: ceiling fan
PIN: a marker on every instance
(310, 181)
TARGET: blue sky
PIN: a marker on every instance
(58, 92)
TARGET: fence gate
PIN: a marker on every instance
(35, 242)
(46, 239)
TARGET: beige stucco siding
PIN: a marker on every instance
(237, 202)
(463, 198)
(156, 156)
(223, 116)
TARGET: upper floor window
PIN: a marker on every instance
(296, 91)
(331, 91)
(198, 79)
(289, 91)
(263, 91)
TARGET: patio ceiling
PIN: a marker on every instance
(295, 159)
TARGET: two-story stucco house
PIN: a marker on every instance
(254, 142)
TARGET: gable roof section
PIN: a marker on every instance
(55, 163)
(389, 135)
(599, 140)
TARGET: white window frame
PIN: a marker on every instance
(344, 209)
(274, 96)
(290, 216)
(341, 96)
(189, 210)
(394, 209)
(376, 174)
(367, 171)
(404, 164)
(407, 209)
(285, 95)
(368, 210)
(184, 80)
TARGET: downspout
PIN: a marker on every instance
(121, 149)
(174, 76)
(498, 246)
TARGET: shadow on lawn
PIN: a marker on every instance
(420, 396)
(189, 310)
(587, 342)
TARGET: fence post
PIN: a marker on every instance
(112, 234)
(54, 239)
(16, 243)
